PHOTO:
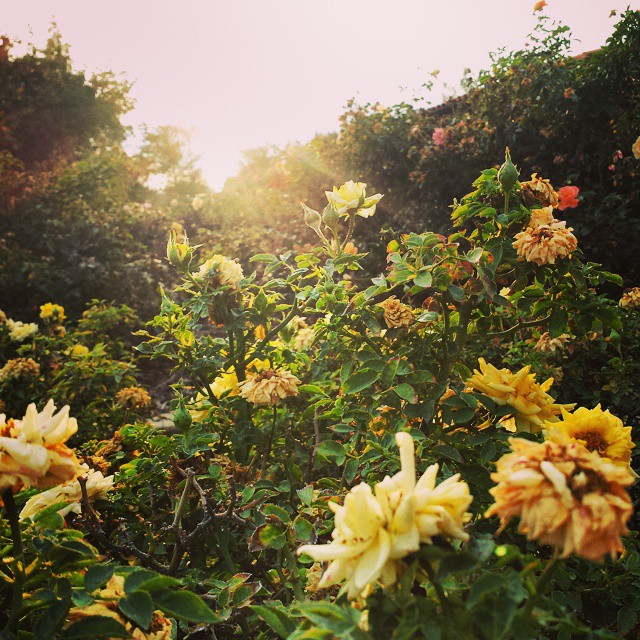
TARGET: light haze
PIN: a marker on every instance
(245, 73)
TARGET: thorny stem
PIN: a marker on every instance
(543, 580)
(292, 565)
(352, 224)
(269, 441)
(18, 560)
(442, 597)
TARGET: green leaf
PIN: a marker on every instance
(148, 580)
(306, 495)
(423, 279)
(487, 583)
(183, 605)
(406, 392)
(277, 617)
(457, 293)
(558, 322)
(303, 529)
(475, 255)
(449, 452)
(97, 576)
(311, 388)
(276, 511)
(51, 619)
(332, 450)
(359, 381)
(267, 536)
(95, 627)
(138, 607)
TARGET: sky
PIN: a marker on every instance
(240, 74)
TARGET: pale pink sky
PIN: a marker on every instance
(244, 73)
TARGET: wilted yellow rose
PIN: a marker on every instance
(565, 496)
(19, 331)
(69, 492)
(269, 386)
(396, 314)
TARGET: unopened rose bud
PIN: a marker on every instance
(508, 174)
(330, 217)
(312, 218)
(179, 254)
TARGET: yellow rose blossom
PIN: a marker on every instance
(19, 331)
(598, 431)
(269, 386)
(351, 196)
(303, 339)
(32, 450)
(630, 298)
(107, 605)
(635, 149)
(531, 403)
(54, 312)
(565, 496)
(77, 351)
(374, 530)
(69, 492)
(225, 271)
(542, 190)
(396, 314)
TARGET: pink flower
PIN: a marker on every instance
(439, 136)
(568, 198)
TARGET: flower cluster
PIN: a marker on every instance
(375, 529)
(33, 451)
(20, 331)
(396, 314)
(269, 386)
(565, 496)
(133, 398)
(545, 239)
(20, 368)
(52, 312)
(630, 298)
(530, 400)
(226, 272)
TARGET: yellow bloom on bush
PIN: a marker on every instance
(396, 313)
(53, 312)
(269, 386)
(77, 351)
(531, 403)
(630, 298)
(69, 492)
(133, 398)
(20, 368)
(351, 196)
(19, 331)
(545, 239)
(598, 431)
(635, 149)
(106, 604)
(223, 270)
(32, 450)
(565, 496)
(374, 530)
(547, 344)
